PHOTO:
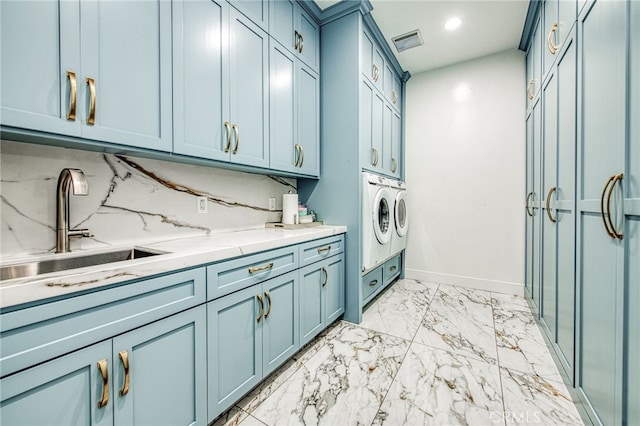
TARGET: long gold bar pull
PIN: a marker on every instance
(614, 231)
(526, 205)
(104, 372)
(260, 268)
(261, 308)
(602, 212)
(237, 132)
(326, 276)
(268, 296)
(124, 359)
(91, 118)
(227, 126)
(71, 114)
(551, 191)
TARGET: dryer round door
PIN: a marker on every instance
(400, 213)
(382, 216)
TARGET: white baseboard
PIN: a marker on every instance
(467, 282)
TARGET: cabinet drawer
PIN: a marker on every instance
(36, 334)
(391, 269)
(233, 275)
(371, 283)
(323, 248)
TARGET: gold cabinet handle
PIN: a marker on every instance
(324, 249)
(602, 212)
(91, 119)
(268, 296)
(375, 73)
(104, 372)
(393, 268)
(373, 283)
(617, 178)
(261, 308)
(296, 155)
(260, 268)
(237, 132)
(301, 45)
(326, 276)
(395, 165)
(301, 155)
(227, 126)
(376, 157)
(124, 359)
(394, 97)
(553, 48)
(297, 43)
(71, 114)
(529, 93)
(551, 191)
(526, 205)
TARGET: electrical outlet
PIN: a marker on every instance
(202, 205)
(272, 204)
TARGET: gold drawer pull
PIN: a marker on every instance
(324, 249)
(124, 358)
(227, 126)
(91, 119)
(373, 283)
(268, 296)
(71, 115)
(237, 132)
(296, 163)
(326, 276)
(553, 48)
(297, 43)
(261, 308)
(551, 218)
(260, 268)
(104, 372)
(393, 268)
(395, 165)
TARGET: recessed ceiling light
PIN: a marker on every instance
(452, 24)
(408, 40)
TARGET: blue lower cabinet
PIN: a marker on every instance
(321, 296)
(250, 333)
(65, 391)
(371, 283)
(152, 375)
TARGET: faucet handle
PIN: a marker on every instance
(80, 233)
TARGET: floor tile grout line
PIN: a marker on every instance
(493, 317)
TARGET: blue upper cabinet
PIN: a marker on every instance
(100, 70)
(221, 74)
(558, 19)
(372, 61)
(256, 10)
(297, 31)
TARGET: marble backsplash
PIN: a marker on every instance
(131, 200)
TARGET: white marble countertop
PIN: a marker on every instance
(181, 253)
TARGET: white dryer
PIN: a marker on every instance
(377, 221)
(398, 191)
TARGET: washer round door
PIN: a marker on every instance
(400, 214)
(382, 216)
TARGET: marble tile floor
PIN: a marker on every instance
(424, 354)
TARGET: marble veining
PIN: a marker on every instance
(400, 309)
(521, 345)
(343, 383)
(509, 302)
(436, 387)
(531, 399)
(131, 200)
(461, 321)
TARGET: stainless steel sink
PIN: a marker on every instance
(29, 269)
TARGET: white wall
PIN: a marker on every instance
(465, 173)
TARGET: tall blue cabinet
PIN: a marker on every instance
(583, 200)
(362, 105)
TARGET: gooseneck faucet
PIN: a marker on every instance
(68, 179)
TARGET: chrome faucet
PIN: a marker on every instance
(69, 178)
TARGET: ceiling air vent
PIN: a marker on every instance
(408, 40)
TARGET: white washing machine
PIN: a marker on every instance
(377, 221)
(398, 191)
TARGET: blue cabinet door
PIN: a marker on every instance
(125, 85)
(280, 334)
(534, 161)
(308, 120)
(334, 288)
(248, 91)
(200, 71)
(371, 127)
(160, 372)
(387, 115)
(284, 154)
(309, 43)
(311, 302)
(550, 33)
(40, 60)
(234, 347)
(600, 258)
(65, 391)
(396, 144)
(256, 10)
(283, 22)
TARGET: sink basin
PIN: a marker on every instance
(29, 269)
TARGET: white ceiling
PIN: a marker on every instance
(488, 26)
